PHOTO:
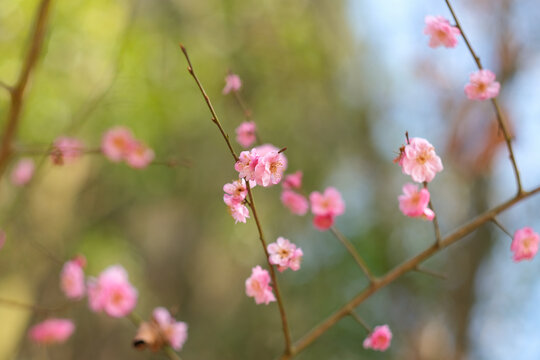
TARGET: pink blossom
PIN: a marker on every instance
(139, 155)
(52, 331)
(482, 85)
(238, 211)
(323, 222)
(174, 331)
(441, 32)
(295, 202)
(379, 339)
(236, 191)
(72, 278)
(415, 203)
(328, 203)
(269, 169)
(293, 181)
(420, 160)
(112, 293)
(117, 143)
(232, 83)
(23, 172)
(246, 164)
(258, 286)
(246, 133)
(525, 244)
(284, 254)
(66, 150)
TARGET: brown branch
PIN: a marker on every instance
(17, 91)
(435, 219)
(494, 101)
(350, 248)
(355, 316)
(429, 272)
(402, 269)
(500, 226)
(247, 112)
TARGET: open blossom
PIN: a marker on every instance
(247, 161)
(293, 181)
(139, 155)
(330, 202)
(66, 150)
(246, 133)
(284, 254)
(482, 85)
(414, 203)
(295, 202)
(52, 331)
(441, 32)
(72, 279)
(269, 169)
(232, 83)
(235, 191)
(238, 210)
(420, 160)
(161, 330)
(525, 244)
(112, 293)
(379, 339)
(23, 172)
(258, 286)
(116, 143)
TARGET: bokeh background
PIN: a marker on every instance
(338, 83)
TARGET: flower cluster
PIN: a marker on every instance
(235, 194)
(326, 207)
(258, 286)
(284, 254)
(525, 244)
(161, 330)
(379, 339)
(414, 202)
(263, 165)
(119, 144)
(52, 331)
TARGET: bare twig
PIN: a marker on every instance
(350, 248)
(34, 308)
(435, 219)
(500, 226)
(355, 316)
(429, 272)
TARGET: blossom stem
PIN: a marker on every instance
(500, 117)
(355, 316)
(247, 112)
(435, 219)
(284, 321)
(429, 272)
(500, 226)
(350, 248)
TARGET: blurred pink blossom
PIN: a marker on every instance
(420, 160)
(482, 85)
(379, 339)
(293, 181)
(23, 172)
(258, 286)
(174, 331)
(117, 142)
(295, 202)
(414, 203)
(284, 254)
(238, 211)
(52, 331)
(328, 203)
(246, 133)
(72, 281)
(441, 32)
(139, 155)
(232, 83)
(323, 222)
(66, 150)
(525, 244)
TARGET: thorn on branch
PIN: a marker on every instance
(282, 150)
(431, 273)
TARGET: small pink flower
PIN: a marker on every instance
(246, 164)
(52, 331)
(139, 155)
(295, 202)
(246, 133)
(323, 222)
(379, 339)
(23, 172)
(112, 293)
(525, 244)
(328, 203)
(441, 32)
(174, 331)
(72, 278)
(269, 169)
(415, 203)
(66, 150)
(293, 181)
(235, 191)
(116, 143)
(284, 254)
(258, 286)
(2, 238)
(420, 160)
(232, 83)
(238, 211)
(482, 85)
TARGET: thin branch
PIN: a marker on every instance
(215, 118)
(34, 308)
(355, 316)
(430, 273)
(6, 87)
(404, 268)
(247, 112)
(284, 321)
(494, 101)
(350, 248)
(435, 219)
(17, 92)
(500, 226)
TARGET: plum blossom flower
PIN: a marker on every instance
(23, 172)
(139, 155)
(379, 339)
(269, 169)
(482, 85)
(420, 160)
(284, 254)
(323, 222)
(116, 143)
(441, 32)
(414, 203)
(247, 161)
(525, 244)
(293, 181)
(295, 202)
(258, 286)
(235, 191)
(72, 280)
(161, 330)
(246, 133)
(238, 210)
(112, 293)
(232, 83)
(66, 150)
(52, 331)
(330, 202)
